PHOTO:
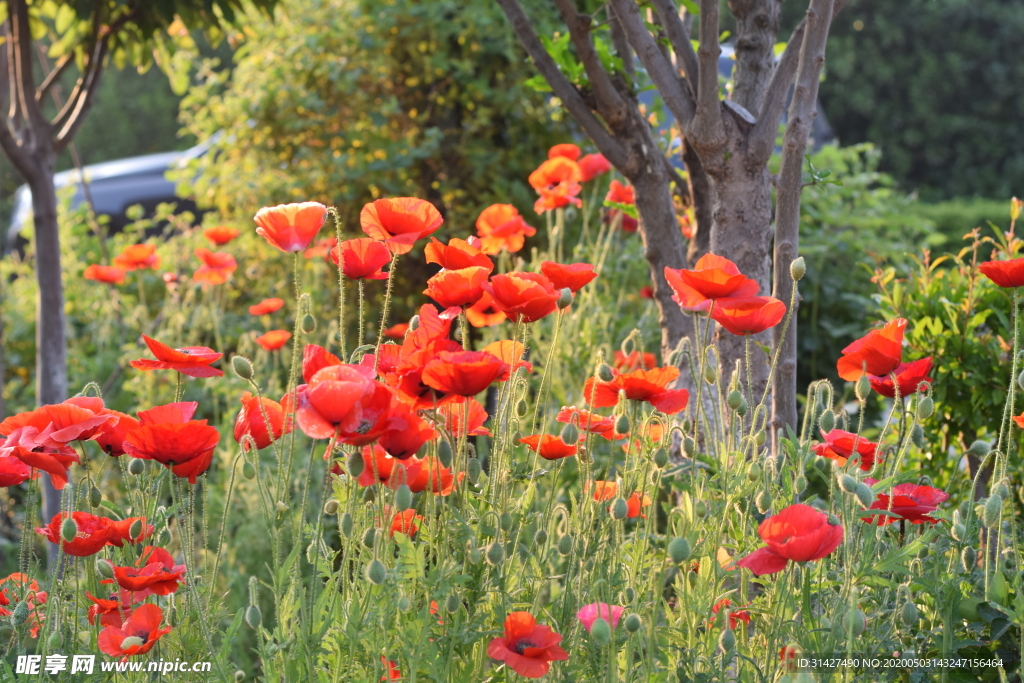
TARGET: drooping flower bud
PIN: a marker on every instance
(570, 434)
(68, 529)
(600, 631)
(797, 268)
(403, 497)
(136, 466)
(331, 506)
(95, 497)
(993, 510)
(763, 501)
(864, 494)
(854, 621)
(604, 373)
(620, 508)
(622, 425)
(980, 448)
(376, 573)
(827, 421)
(727, 639)
(444, 453)
(104, 569)
(968, 558)
(473, 470)
(369, 536)
(495, 554)
(253, 616)
(710, 373)
(862, 387)
(679, 550)
(925, 408)
(909, 614)
(541, 537)
(308, 324)
(248, 470)
(565, 545)
(847, 483)
(565, 298)
(734, 400)
(660, 457)
(56, 640)
(633, 623)
(242, 367)
(356, 464)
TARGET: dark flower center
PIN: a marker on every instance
(521, 645)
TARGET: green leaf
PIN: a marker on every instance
(691, 6)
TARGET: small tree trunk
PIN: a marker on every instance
(703, 200)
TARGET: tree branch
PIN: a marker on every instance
(23, 79)
(679, 37)
(707, 129)
(53, 76)
(676, 95)
(762, 137)
(561, 86)
(619, 40)
(76, 116)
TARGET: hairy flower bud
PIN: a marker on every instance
(958, 532)
(727, 639)
(505, 521)
(135, 530)
(862, 387)
(403, 497)
(1002, 490)
(620, 508)
(248, 470)
(800, 484)
(565, 298)
(444, 453)
(622, 425)
(136, 466)
(797, 268)
(968, 558)
(735, 399)
(993, 510)
(104, 569)
(95, 497)
(308, 324)
(495, 554)
(253, 616)
(827, 421)
(909, 614)
(980, 448)
(917, 436)
(604, 373)
(414, 323)
(660, 457)
(376, 573)
(56, 640)
(369, 536)
(633, 623)
(710, 373)
(356, 464)
(473, 470)
(854, 621)
(700, 509)
(679, 550)
(541, 537)
(690, 447)
(847, 483)
(864, 494)
(331, 506)
(565, 545)
(925, 408)
(242, 367)
(345, 524)
(68, 529)
(369, 494)
(763, 501)
(600, 631)
(239, 676)
(570, 434)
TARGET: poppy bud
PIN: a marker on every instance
(710, 373)
(564, 299)
(239, 676)
(909, 613)
(308, 324)
(760, 437)
(253, 616)
(800, 484)
(565, 545)
(570, 434)
(827, 421)
(763, 501)
(968, 558)
(690, 447)
(917, 436)
(345, 525)
(20, 614)
(242, 367)
(452, 604)
(797, 268)
(282, 507)
(925, 408)
(68, 529)
(622, 425)
(700, 509)
(473, 556)
(754, 473)
(369, 494)
(135, 530)
(993, 510)
(629, 594)
(600, 632)
(369, 536)
(522, 408)
(403, 497)
(136, 466)
(248, 470)
(862, 388)
(95, 497)
(847, 483)
(414, 323)
(1020, 379)
(660, 457)
(979, 448)
(958, 532)
(1002, 490)
(727, 639)
(541, 537)
(735, 399)
(104, 569)
(376, 573)
(473, 469)
(679, 550)
(331, 506)
(865, 495)
(444, 453)
(356, 464)
(55, 640)
(620, 508)
(505, 521)
(404, 604)
(495, 554)
(604, 373)
(854, 621)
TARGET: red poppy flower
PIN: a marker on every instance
(912, 502)
(399, 222)
(627, 223)
(798, 533)
(267, 306)
(620, 194)
(574, 276)
(109, 435)
(735, 617)
(527, 297)
(1004, 273)
(593, 165)
(555, 171)
(111, 612)
(748, 315)
(138, 256)
(392, 672)
(549, 447)
(639, 385)
(380, 467)
(589, 422)
(511, 354)
(457, 254)
(23, 587)
(500, 226)
(464, 373)
(910, 376)
(193, 361)
(838, 446)
(397, 331)
(713, 277)
(316, 358)
(122, 531)
(527, 647)
(557, 197)
(183, 445)
(462, 287)
(94, 533)
(13, 471)
(404, 522)
(342, 399)
(363, 258)
(217, 267)
(24, 445)
(406, 432)
(155, 573)
(878, 353)
(111, 275)
(290, 227)
(566, 149)
(221, 234)
(634, 361)
(136, 636)
(322, 248)
(264, 424)
(452, 414)
(588, 614)
(647, 292)
(78, 418)
(273, 340)
(484, 313)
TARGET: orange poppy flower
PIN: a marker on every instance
(909, 376)
(527, 647)
(136, 636)
(193, 361)
(321, 248)
(400, 221)
(748, 315)
(344, 400)
(1004, 273)
(462, 287)
(273, 340)
(111, 275)
(639, 385)
(397, 331)
(634, 361)
(111, 612)
(484, 313)
(13, 471)
(267, 306)
(457, 254)
(589, 422)
(265, 424)
(463, 373)
(878, 353)
(363, 258)
(221, 235)
(799, 533)
(557, 196)
(405, 522)
(511, 354)
(94, 533)
(567, 150)
(573, 276)
(110, 434)
(593, 165)
(290, 227)
(170, 436)
(911, 502)
(155, 573)
(122, 531)
(452, 414)
(392, 672)
(138, 256)
(620, 194)
(735, 617)
(555, 171)
(407, 432)
(527, 297)
(713, 277)
(549, 447)
(838, 446)
(24, 451)
(217, 267)
(500, 226)
(647, 292)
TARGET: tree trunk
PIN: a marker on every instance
(703, 200)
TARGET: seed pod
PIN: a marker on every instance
(570, 434)
(865, 495)
(958, 532)
(690, 447)
(369, 494)
(734, 400)
(505, 521)
(847, 483)
(727, 639)
(403, 497)
(331, 506)
(253, 616)
(980, 448)
(104, 568)
(521, 408)
(444, 453)
(827, 421)
(925, 408)
(763, 501)
(242, 367)
(854, 621)
(369, 536)
(679, 550)
(355, 464)
(754, 473)
(800, 484)
(909, 613)
(968, 558)
(136, 466)
(620, 508)
(308, 324)
(248, 470)
(993, 510)
(95, 497)
(622, 425)
(605, 373)
(564, 299)
(68, 529)
(473, 469)
(495, 554)
(862, 388)
(601, 632)
(917, 436)
(345, 524)
(710, 373)
(700, 509)
(376, 573)
(540, 538)
(660, 457)
(797, 268)
(565, 545)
